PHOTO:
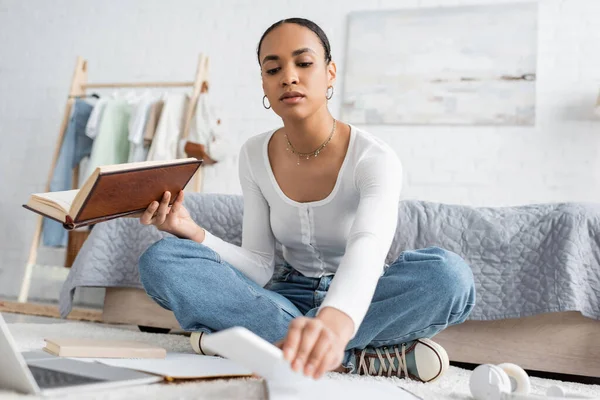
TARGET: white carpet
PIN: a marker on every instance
(453, 385)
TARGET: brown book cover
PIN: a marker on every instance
(115, 191)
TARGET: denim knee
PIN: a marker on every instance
(167, 248)
(154, 255)
(168, 253)
(454, 277)
(152, 262)
(455, 282)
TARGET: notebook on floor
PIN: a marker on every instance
(102, 348)
(182, 366)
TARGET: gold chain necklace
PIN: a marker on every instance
(315, 153)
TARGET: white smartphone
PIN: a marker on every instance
(251, 351)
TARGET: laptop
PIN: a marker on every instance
(46, 374)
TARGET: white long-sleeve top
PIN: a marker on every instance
(348, 233)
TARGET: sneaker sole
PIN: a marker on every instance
(442, 354)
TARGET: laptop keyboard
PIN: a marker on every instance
(48, 378)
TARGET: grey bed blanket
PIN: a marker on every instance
(526, 259)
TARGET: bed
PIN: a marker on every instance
(536, 269)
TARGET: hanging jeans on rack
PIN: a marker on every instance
(75, 146)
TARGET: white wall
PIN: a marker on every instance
(158, 40)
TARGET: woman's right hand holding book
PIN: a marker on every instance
(174, 219)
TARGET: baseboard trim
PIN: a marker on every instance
(49, 310)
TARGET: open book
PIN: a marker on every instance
(114, 191)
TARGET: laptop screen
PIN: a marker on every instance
(14, 373)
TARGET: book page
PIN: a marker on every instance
(61, 200)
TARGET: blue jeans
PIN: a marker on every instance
(420, 294)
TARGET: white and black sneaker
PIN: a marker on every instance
(422, 360)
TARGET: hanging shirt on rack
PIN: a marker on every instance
(138, 151)
(111, 145)
(74, 147)
(153, 118)
(166, 138)
(207, 130)
(221, 177)
(93, 124)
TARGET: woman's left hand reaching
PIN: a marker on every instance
(316, 345)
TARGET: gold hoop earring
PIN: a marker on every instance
(327, 95)
(265, 97)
